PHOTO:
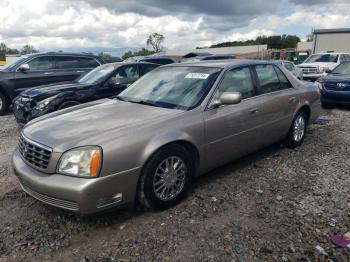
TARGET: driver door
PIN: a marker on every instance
(233, 130)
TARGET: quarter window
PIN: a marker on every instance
(40, 63)
(268, 79)
(237, 80)
(289, 66)
(86, 62)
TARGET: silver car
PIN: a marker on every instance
(176, 123)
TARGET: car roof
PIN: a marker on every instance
(62, 54)
(157, 57)
(117, 64)
(221, 63)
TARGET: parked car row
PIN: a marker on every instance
(148, 143)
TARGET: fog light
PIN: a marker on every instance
(107, 201)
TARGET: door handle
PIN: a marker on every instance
(80, 71)
(48, 73)
(254, 110)
(292, 99)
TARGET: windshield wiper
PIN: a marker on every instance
(141, 102)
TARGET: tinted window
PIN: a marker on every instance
(41, 63)
(147, 68)
(328, 58)
(129, 71)
(237, 80)
(66, 62)
(86, 62)
(285, 84)
(268, 79)
(342, 69)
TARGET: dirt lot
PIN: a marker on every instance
(271, 206)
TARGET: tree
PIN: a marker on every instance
(28, 49)
(105, 56)
(142, 52)
(156, 41)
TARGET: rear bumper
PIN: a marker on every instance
(80, 195)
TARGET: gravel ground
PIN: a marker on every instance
(273, 205)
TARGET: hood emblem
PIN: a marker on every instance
(341, 85)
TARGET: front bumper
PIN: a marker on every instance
(312, 77)
(335, 97)
(24, 112)
(80, 195)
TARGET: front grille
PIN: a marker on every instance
(34, 153)
(69, 205)
(337, 87)
(309, 70)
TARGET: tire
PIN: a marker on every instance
(3, 103)
(151, 188)
(295, 137)
(68, 104)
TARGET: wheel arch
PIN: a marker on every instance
(6, 94)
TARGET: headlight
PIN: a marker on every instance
(322, 70)
(319, 85)
(82, 162)
(44, 103)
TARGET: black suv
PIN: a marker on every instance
(40, 69)
(162, 60)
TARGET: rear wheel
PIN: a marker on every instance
(166, 178)
(68, 104)
(3, 103)
(297, 131)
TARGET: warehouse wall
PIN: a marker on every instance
(336, 42)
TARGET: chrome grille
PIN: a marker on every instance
(309, 70)
(337, 86)
(69, 205)
(34, 153)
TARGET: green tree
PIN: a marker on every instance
(28, 49)
(142, 52)
(155, 40)
(105, 56)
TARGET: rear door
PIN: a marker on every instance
(233, 130)
(69, 68)
(41, 72)
(277, 102)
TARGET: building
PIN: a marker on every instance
(331, 40)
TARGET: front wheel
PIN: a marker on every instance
(3, 104)
(297, 131)
(166, 178)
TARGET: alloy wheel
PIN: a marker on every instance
(169, 178)
(299, 128)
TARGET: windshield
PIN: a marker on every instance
(172, 87)
(342, 69)
(325, 58)
(15, 63)
(97, 75)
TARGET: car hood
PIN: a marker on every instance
(95, 123)
(319, 64)
(336, 78)
(52, 89)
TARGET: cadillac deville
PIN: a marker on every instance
(147, 144)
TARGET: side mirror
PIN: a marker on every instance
(23, 68)
(114, 82)
(227, 98)
(328, 71)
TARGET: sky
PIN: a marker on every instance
(90, 24)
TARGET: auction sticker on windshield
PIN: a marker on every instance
(197, 76)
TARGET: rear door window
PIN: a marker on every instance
(41, 63)
(237, 80)
(87, 62)
(268, 79)
(147, 68)
(127, 72)
(66, 62)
